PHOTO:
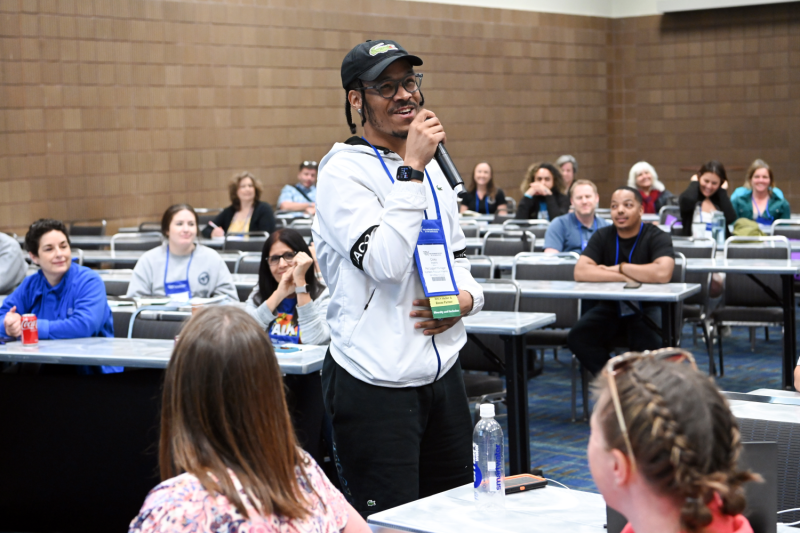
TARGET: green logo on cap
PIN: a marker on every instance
(381, 48)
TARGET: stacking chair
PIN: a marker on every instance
(471, 228)
(673, 211)
(79, 253)
(118, 286)
(486, 353)
(481, 266)
(751, 303)
(499, 219)
(135, 241)
(697, 308)
(511, 204)
(302, 226)
(206, 215)
(248, 263)
(536, 226)
(147, 227)
(251, 241)
(87, 227)
(788, 228)
(507, 242)
(156, 323)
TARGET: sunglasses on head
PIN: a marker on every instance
(309, 164)
(620, 364)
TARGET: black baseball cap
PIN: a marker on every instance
(367, 60)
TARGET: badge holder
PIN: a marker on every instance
(435, 271)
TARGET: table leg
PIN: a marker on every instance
(667, 329)
(519, 442)
(789, 332)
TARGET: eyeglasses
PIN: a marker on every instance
(309, 164)
(387, 89)
(275, 259)
(620, 364)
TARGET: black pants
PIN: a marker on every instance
(601, 329)
(393, 446)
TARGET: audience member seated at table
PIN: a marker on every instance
(69, 300)
(707, 192)
(12, 264)
(296, 308)
(644, 177)
(483, 197)
(568, 166)
(228, 454)
(629, 250)
(180, 268)
(760, 202)
(664, 445)
(745, 189)
(572, 232)
(303, 195)
(246, 213)
(543, 193)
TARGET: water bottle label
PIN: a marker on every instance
(498, 466)
(492, 468)
(476, 470)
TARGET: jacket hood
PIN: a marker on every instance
(356, 146)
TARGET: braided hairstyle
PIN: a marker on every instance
(684, 437)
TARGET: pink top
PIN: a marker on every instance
(182, 505)
(720, 522)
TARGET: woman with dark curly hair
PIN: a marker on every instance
(664, 446)
(543, 193)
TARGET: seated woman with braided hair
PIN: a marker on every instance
(664, 446)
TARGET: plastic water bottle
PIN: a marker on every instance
(718, 231)
(543, 214)
(488, 456)
(698, 226)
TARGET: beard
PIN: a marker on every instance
(379, 125)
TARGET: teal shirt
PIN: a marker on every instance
(776, 206)
(744, 191)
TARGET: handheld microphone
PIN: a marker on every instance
(449, 170)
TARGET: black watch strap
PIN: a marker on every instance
(408, 173)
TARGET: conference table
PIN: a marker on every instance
(666, 294)
(784, 268)
(512, 327)
(128, 258)
(122, 277)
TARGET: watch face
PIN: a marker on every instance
(404, 173)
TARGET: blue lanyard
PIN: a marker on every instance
(166, 268)
(430, 182)
(477, 202)
(766, 214)
(585, 242)
(630, 256)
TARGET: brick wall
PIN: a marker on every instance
(117, 108)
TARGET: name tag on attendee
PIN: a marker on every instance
(435, 270)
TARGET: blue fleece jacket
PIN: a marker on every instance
(76, 307)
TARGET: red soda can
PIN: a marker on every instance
(30, 330)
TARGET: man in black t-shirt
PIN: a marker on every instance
(627, 251)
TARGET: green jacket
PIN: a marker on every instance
(777, 207)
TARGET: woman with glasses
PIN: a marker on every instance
(228, 454)
(246, 213)
(289, 302)
(664, 446)
(181, 268)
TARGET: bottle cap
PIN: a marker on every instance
(487, 410)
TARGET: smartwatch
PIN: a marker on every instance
(301, 290)
(408, 174)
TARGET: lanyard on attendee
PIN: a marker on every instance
(178, 290)
(764, 218)
(630, 256)
(585, 242)
(433, 258)
(478, 204)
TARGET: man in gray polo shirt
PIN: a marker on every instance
(571, 232)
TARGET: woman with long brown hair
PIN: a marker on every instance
(543, 193)
(664, 446)
(228, 453)
(484, 197)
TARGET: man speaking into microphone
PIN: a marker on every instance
(393, 254)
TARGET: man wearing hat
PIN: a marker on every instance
(391, 380)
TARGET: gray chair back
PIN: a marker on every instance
(122, 321)
(206, 215)
(507, 242)
(471, 228)
(536, 226)
(87, 227)
(135, 241)
(147, 227)
(251, 241)
(481, 266)
(302, 226)
(506, 299)
(786, 228)
(742, 291)
(548, 267)
(248, 263)
(690, 251)
(499, 219)
(156, 323)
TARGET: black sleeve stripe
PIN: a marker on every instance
(359, 249)
(461, 254)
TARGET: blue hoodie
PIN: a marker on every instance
(76, 307)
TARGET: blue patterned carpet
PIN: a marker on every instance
(558, 446)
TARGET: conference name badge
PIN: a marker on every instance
(445, 307)
(433, 263)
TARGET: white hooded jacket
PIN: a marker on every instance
(365, 232)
